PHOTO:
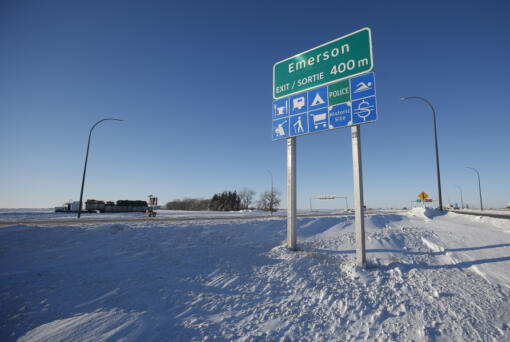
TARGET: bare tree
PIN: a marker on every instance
(246, 197)
(269, 200)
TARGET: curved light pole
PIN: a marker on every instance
(479, 187)
(86, 159)
(461, 199)
(435, 139)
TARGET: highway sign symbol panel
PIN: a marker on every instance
(344, 103)
(364, 110)
(340, 115)
(318, 98)
(318, 120)
(362, 86)
(299, 124)
(298, 103)
(281, 128)
(280, 108)
(423, 196)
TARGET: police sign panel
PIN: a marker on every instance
(338, 59)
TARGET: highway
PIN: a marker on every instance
(278, 216)
(501, 216)
(77, 221)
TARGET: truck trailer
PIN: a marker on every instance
(95, 206)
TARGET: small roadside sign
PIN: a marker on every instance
(423, 196)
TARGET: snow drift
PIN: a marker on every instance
(430, 277)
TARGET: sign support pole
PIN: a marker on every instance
(291, 193)
(358, 196)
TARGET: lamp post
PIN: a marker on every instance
(272, 193)
(435, 139)
(271, 175)
(86, 159)
(479, 187)
(461, 199)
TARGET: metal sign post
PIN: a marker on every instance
(291, 193)
(358, 196)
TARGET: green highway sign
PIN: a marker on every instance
(338, 59)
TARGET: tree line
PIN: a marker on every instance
(230, 201)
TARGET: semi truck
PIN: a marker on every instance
(95, 206)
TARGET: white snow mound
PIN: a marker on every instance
(440, 279)
(426, 212)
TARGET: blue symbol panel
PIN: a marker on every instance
(280, 128)
(318, 120)
(310, 112)
(298, 104)
(281, 108)
(299, 124)
(362, 86)
(318, 98)
(340, 115)
(364, 110)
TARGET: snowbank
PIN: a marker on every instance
(446, 278)
(426, 212)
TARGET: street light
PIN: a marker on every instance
(86, 159)
(461, 199)
(272, 193)
(435, 139)
(479, 187)
(271, 174)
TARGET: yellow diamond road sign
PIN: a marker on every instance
(423, 196)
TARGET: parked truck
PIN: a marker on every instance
(68, 207)
(95, 206)
(121, 206)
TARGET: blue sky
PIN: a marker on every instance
(193, 82)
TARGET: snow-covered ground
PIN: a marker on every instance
(31, 215)
(505, 212)
(16, 215)
(430, 278)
